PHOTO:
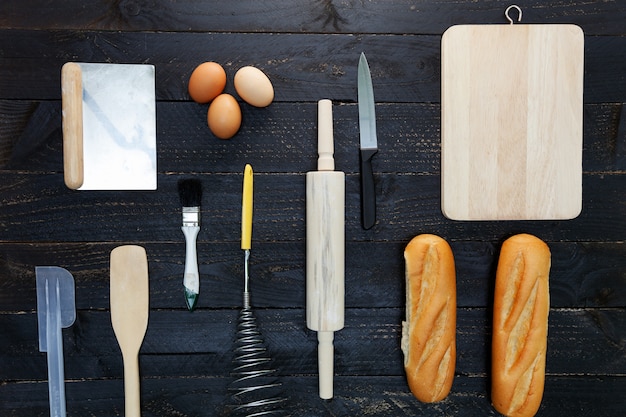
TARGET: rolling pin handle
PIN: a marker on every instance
(325, 142)
(325, 353)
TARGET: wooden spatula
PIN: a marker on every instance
(129, 315)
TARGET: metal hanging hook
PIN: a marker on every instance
(513, 6)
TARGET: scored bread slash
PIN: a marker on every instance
(429, 332)
(520, 326)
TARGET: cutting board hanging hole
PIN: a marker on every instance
(508, 10)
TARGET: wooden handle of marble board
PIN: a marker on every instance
(72, 110)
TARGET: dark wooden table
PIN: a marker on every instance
(309, 49)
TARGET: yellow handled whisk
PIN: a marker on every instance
(256, 388)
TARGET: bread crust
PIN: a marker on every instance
(429, 332)
(520, 326)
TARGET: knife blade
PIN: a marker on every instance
(368, 143)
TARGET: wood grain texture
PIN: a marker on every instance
(398, 17)
(511, 133)
(310, 51)
(72, 112)
(202, 396)
(404, 68)
(581, 341)
(282, 138)
(39, 203)
(130, 295)
(586, 275)
(325, 250)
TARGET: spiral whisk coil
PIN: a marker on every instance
(256, 389)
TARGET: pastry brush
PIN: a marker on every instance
(190, 193)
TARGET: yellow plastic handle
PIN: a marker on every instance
(246, 209)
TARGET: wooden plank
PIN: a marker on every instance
(372, 396)
(580, 342)
(404, 68)
(16, 116)
(293, 75)
(589, 275)
(620, 137)
(39, 208)
(282, 138)
(398, 16)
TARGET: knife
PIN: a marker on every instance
(368, 143)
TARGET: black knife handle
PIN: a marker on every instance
(368, 189)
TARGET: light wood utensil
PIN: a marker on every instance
(325, 249)
(511, 130)
(129, 315)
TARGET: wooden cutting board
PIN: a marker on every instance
(511, 130)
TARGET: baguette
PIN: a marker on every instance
(429, 332)
(520, 326)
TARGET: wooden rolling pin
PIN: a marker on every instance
(325, 248)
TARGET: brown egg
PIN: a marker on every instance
(207, 81)
(224, 116)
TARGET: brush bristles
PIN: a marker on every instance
(190, 192)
